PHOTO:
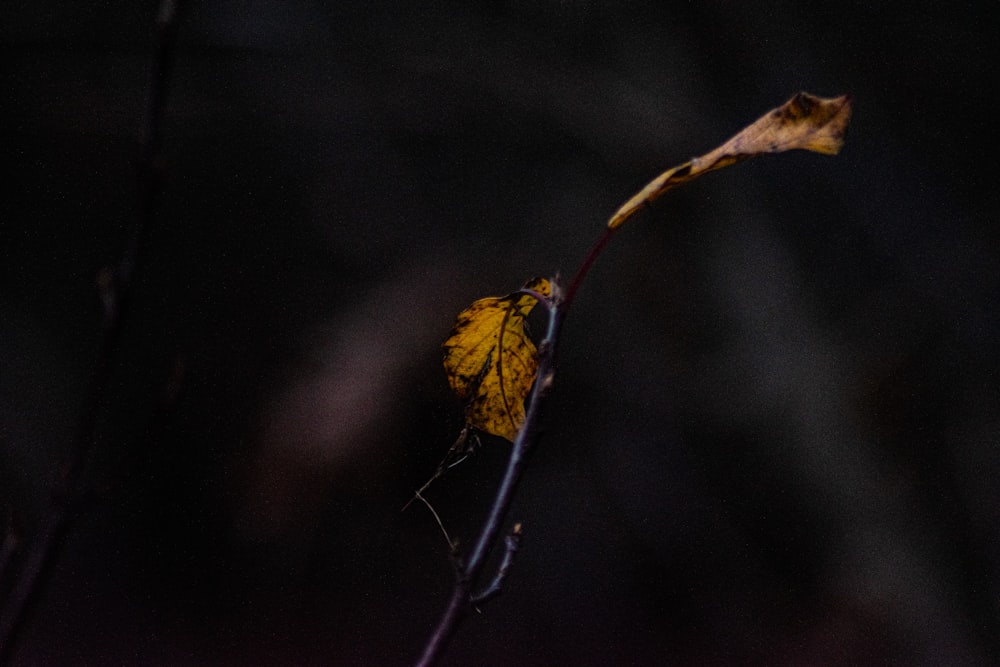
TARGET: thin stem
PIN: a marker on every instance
(451, 544)
(588, 262)
(461, 600)
(115, 290)
(459, 452)
(523, 443)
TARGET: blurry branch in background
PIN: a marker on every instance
(492, 364)
(27, 572)
(8, 548)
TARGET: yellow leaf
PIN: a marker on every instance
(491, 361)
(808, 122)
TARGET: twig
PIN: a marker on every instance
(468, 575)
(458, 452)
(511, 544)
(461, 601)
(114, 291)
(451, 543)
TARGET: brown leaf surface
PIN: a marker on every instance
(491, 361)
(804, 122)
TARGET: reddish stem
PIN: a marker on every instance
(588, 261)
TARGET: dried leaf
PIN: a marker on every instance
(491, 361)
(807, 122)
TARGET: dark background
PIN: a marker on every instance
(774, 434)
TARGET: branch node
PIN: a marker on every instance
(546, 301)
(511, 544)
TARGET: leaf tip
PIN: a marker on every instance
(823, 121)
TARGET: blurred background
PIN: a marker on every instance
(773, 439)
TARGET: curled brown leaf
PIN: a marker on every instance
(804, 122)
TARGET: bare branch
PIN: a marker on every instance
(461, 601)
